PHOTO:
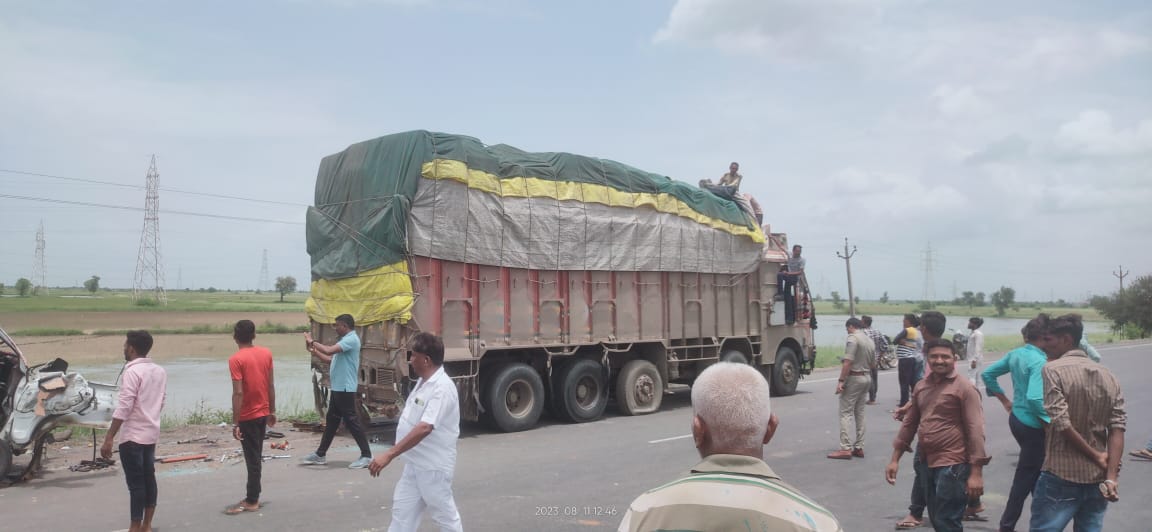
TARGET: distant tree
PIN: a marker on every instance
(884, 298)
(285, 285)
(817, 297)
(857, 300)
(1131, 309)
(968, 298)
(836, 301)
(1, 288)
(980, 299)
(23, 287)
(1003, 298)
(93, 284)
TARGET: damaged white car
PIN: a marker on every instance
(35, 400)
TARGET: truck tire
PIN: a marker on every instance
(734, 356)
(514, 398)
(581, 391)
(785, 372)
(5, 460)
(639, 388)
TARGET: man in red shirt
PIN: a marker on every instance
(253, 407)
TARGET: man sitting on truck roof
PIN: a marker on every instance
(732, 489)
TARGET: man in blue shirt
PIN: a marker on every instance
(1026, 412)
(344, 360)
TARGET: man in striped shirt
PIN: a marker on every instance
(732, 488)
(1085, 438)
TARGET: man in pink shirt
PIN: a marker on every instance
(137, 419)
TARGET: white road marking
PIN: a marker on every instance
(671, 439)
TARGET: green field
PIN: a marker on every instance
(80, 300)
(876, 308)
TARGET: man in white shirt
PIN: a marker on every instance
(975, 351)
(426, 435)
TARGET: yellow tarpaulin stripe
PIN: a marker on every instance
(531, 187)
(372, 296)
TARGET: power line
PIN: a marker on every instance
(165, 189)
(138, 209)
(150, 265)
(848, 266)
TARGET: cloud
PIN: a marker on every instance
(779, 28)
(1093, 133)
(1008, 149)
(956, 101)
(904, 37)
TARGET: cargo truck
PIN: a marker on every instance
(559, 283)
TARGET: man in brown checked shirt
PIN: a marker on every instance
(945, 409)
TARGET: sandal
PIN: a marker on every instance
(908, 524)
(1143, 454)
(241, 507)
(975, 517)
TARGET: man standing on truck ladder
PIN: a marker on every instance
(253, 407)
(344, 357)
(786, 283)
(141, 399)
(426, 435)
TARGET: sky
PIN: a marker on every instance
(1012, 139)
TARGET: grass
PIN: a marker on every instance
(80, 300)
(266, 328)
(205, 415)
(895, 308)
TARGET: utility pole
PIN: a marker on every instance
(1120, 274)
(847, 256)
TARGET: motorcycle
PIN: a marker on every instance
(960, 342)
(35, 400)
(886, 359)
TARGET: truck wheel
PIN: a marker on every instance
(514, 398)
(735, 356)
(785, 372)
(639, 388)
(5, 460)
(580, 392)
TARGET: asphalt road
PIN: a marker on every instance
(562, 477)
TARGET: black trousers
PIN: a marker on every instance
(906, 367)
(872, 389)
(342, 408)
(139, 464)
(1031, 441)
(252, 441)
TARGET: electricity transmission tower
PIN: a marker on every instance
(263, 284)
(40, 267)
(929, 275)
(149, 265)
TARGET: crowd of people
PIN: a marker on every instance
(426, 434)
(1066, 414)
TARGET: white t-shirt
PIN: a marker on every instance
(436, 403)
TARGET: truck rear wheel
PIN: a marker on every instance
(734, 356)
(785, 372)
(639, 388)
(580, 391)
(514, 398)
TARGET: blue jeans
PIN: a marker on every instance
(139, 464)
(946, 489)
(1056, 502)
